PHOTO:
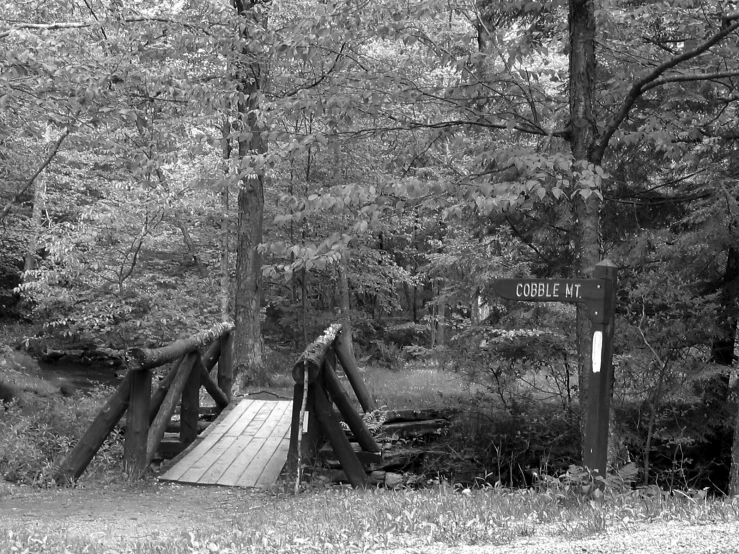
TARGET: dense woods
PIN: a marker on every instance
(288, 164)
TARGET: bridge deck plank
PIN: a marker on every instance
(247, 449)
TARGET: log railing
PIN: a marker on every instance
(149, 414)
(317, 367)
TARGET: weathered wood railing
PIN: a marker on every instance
(149, 414)
(318, 361)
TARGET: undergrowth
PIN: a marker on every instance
(36, 434)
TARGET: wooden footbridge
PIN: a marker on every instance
(247, 448)
(250, 442)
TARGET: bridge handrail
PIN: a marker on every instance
(149, 414)
(319, 361)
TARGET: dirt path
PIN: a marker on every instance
(153, 511)
(126, 513)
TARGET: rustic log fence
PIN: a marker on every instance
(149, 414)
(317, 367)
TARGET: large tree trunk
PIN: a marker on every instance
(722, 349)
(734, 473)
(225, 289)
(717, 392)
(248, 353)
(583, 136)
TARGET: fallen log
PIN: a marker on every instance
(396, 416)
(415, 428)
(371, 459)
(146, 358)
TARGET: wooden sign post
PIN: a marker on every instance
(599, 297)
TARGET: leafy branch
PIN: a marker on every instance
(652, 79)
(63, 25)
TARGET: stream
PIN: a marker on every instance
(80, 376)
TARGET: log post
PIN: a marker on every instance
(145, 358)
(311, 438)
(159, 425)
(343, 351)
(341, 399)
(190, 411)
(212, 354)
(295, 429)
(76, 461)
(312, 357)
(210, 385)
(158, 397)
(137, 424)
(225, 365)
(600, 379)
(342, 447)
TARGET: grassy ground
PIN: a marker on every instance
(343, 520)
(416, 386)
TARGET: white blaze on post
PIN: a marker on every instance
(597, 349)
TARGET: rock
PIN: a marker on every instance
(6, 489)
(377, 477)
(393, 480)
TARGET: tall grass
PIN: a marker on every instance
(415, 387)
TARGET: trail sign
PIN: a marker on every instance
(599, 297)
(585, 291)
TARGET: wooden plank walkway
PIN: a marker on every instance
(247, 448)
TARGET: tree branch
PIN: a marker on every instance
(32, 179)
(657, 201)
(638, 88)
(320, 79)
(81, 24)
(692, 77)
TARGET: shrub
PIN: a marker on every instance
(512, 450)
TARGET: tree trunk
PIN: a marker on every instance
(583, 135)
(734, 473)
(190, 244)
(39, 198)
(440, 318)
(248, 352)
(346, 319)
(717, 393)
(225, 291)
(722, 349)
